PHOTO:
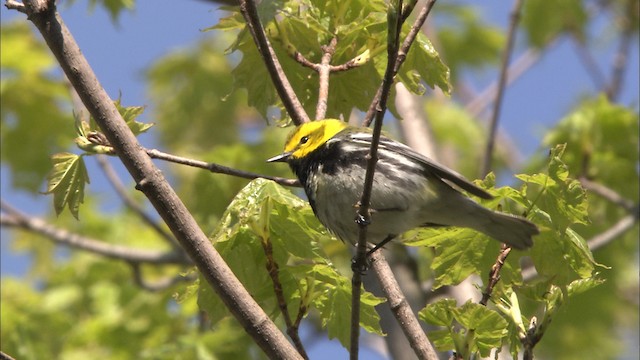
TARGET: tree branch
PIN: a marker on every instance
(17, 219)
(401, 309)
(323, 73)
(607, 193)
(400, 57)
(15, 5)
(152, 183)
(506, 56)
(217, 168)
(363, 216)
(279, 78)
(622, 55)
(121, 190)
(494, 274)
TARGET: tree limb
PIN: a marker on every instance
(152, 183)
(494, 274)
(279, 78)
(400, 57)
(17, 219)
(401, 309)
(621, 58)
(495, 115)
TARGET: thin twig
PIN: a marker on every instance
(121, 190)
(589, 63)
(401, 309)
(506, 56)
(323, 74)
(217, 168)
(401, 57)
(5, 356)
(363, 216)
(153, 184)
(519, 66)
(17, 219)
(278, 77)
(621, 58)
(273, 270)
(158, 285)
(607, 193)
(494, 274)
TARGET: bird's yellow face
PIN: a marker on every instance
(309, 136)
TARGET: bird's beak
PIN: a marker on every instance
(280, 158)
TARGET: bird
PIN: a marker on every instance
(329, 158)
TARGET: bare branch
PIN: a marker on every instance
(401, 309)
(607, 193)
(279, 78)
(15, 5)
(121, 190)
(622, 55)
(217, 168)
(589, 63)
(17, 219)
(494, 274)
(323, 74)
(401, 56)
(519, 66)
(5, 356)
(152, 183)
(493, 124)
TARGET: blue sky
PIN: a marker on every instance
(119, 55)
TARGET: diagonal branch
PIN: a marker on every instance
(621, 58)
(401, 309)
(279, 78)
(494, 274)
(17, 219)
(152, 183)
(506, 56)
(400, 57)
(121, 190)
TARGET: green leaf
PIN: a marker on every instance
(129, 114)
(544, 20)
(264, 212)
(486, 325)
(458, 252)
(423, 64)
(438, 313)
(66, 182)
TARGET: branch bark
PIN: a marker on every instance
(279, 78)
(152, 183)
(17, 219)
(493, 124)
(401, 309)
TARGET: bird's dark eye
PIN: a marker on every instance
(304, 140)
